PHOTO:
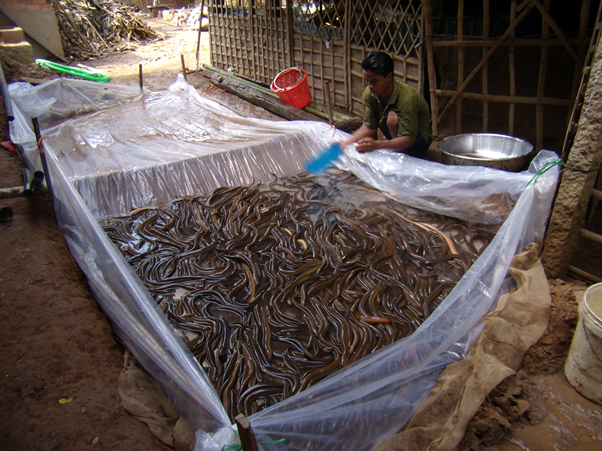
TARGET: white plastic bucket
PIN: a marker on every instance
(583, 367)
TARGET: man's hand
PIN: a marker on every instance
(366, 145)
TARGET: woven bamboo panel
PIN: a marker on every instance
(247, 37)
(394, 27)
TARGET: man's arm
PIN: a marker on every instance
(361, 133)
(399, 144)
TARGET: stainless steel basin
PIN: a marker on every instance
(486, 149)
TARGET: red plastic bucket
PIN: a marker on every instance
(291, 87)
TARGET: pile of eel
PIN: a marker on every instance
(275, 286)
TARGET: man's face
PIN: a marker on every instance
(377, 83)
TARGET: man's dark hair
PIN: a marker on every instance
(378, 62)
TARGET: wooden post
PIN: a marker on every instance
(183, 67)
(578, 177)
(328, 101)
(198, 42)
(140, 76)
(430, 58)
(247, 436)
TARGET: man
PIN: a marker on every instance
(396, 108)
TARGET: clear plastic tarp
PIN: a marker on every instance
(111, 149)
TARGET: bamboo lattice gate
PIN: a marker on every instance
(259, 38)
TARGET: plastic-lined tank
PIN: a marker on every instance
(157, 147)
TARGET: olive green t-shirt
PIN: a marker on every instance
(410, 106)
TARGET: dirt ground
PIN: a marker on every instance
(60, 360)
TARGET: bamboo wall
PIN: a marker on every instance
(509, 67)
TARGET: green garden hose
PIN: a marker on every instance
(85, 73)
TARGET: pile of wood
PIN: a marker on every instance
(91, 28)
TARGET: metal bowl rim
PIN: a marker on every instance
(497, 135)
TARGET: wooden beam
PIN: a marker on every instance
(513, 25)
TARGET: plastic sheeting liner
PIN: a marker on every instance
(159, 146)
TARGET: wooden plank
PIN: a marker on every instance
(513, 25)
(507, 99)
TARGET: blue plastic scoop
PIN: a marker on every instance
(324, 159)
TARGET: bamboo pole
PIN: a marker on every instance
(583, 74)
(347, 57)
(430, 58)
(485, 71)
(198, 42)
(526, 8)
(420, 58)
(507, 99)
(289, 33)
(512, 71)
(183, 67)
(584, 274)
(581, 49)
(460, 31)
(541, 82)
(328, 101)
(528, 42)
(252, 27)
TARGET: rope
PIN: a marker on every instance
(238, 446)
(546, 167)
